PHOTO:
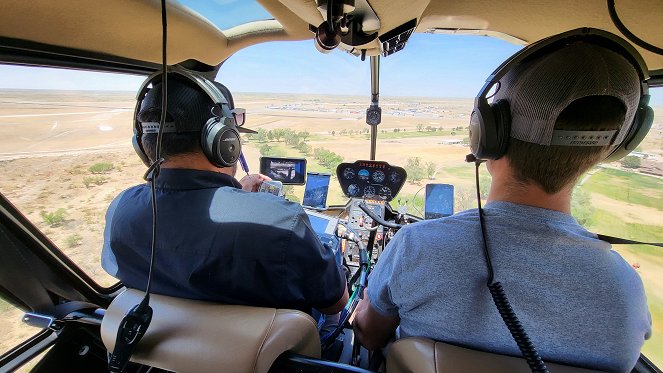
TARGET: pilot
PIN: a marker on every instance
(580, 302)
(217, 241)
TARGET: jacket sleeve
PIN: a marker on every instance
(313, 272)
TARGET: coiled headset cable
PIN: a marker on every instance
(516, 329)
(135, 323)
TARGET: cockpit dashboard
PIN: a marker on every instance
(376, 180)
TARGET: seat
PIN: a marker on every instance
(194, 336)
(414, 355)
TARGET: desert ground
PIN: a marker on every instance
(65, 155)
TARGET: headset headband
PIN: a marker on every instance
(204, 84)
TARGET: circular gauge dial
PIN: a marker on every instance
(349, 173)
(385, 192)
(353, 190)
(369, 191)
(363, 174)
(378, 176)
(395, 177)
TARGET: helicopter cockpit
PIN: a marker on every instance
(359, 111)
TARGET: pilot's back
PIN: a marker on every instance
(219, 243)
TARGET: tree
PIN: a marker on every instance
(270, 135)
(261, 136)
(279, 133)
(291, 138)
(304, 135)
(631, 161)
(581, 207)
(415, 170)
(420, 127)
(484, 185)
(304, 148)
(431, 170)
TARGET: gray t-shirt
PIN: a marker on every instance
(579, 301)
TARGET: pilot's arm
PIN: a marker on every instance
(372, 328)
(315, 277)
(377, 316)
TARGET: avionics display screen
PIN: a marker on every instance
(322, 224)
(289, 171)
(315, 193)
(439, 201)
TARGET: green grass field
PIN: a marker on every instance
(628, 187)
(635, 191)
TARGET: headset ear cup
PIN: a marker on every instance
(138, 147)
(220, 142)
(641, 125)
(502, 114)
(482, 131)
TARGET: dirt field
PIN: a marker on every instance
(50, 140)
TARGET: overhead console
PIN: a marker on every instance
(375, 180)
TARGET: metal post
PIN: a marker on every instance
(375, 100)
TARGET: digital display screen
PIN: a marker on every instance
(319, 224)
(273, 187)
(289, 171)
(315, 193)
(439, 201)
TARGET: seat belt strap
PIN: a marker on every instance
(623, 241)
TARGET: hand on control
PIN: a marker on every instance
(251, 183)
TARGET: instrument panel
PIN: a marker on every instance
(371, 179)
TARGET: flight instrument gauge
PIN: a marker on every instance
(369, 191)
(353, 190)
(348, 173)
(373, 115)
(395, 177)
(378, 176)
(363, 174)
(385, 192)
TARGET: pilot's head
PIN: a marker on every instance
(580, 87)
(189, 108)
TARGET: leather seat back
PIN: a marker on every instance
(194, 336)
(414, 355)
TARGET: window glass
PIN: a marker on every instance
(14, 331)
(625, 199)
(226, 14)
(308, 102)
(66, 153)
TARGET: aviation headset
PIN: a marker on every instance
(219, 140)
(490, 124)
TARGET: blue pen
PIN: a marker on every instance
(242, 162)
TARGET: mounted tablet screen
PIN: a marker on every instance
(317, 187)
(289, 171)
(439, 201)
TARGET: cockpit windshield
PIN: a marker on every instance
(226, 14)
(65, 148)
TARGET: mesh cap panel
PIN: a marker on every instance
(539, 90)
(189, 107)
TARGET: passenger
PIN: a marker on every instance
(580, 302)
(217, 241)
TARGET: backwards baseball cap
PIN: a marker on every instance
(188, 107)
(538, 90)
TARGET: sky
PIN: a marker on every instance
(450, 66)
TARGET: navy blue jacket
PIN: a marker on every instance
(219, 243)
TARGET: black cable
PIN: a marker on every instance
(626, 32)
(509, 317)
(135, 323)
(157, 162)
(330, 16)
